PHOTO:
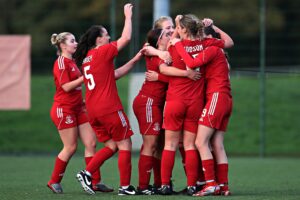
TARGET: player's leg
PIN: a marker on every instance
(85, 176)
(174, 115)
(168, 159)
(146, 163)
(222, 162)
(121, 132)
(157, 162)
(202, 142)
(88, 138)
(69, 139)
(191, 161)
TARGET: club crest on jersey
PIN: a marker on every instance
(156, 127)
(69, 119)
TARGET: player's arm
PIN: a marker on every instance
(155, 76)
(67, 87)
(228, 42)
(173, 71)
(127, 29)
(151, 51)
(202, 58)
(123, 70)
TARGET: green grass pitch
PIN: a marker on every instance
(25, 178)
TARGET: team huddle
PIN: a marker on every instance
(185, 103)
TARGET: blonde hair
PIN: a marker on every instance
(57, 39)
(158, 23)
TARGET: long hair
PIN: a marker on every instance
(210, 31)
(192, 24)
(87, 42)
(153, 36)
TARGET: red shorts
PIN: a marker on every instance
(182, 115)
(112, 126)
(149, 113)
(217, 111)
(64, 117)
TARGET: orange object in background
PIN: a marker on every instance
(15, 72)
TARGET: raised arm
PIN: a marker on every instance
(127, 29)
(228, 42)
(123, 70)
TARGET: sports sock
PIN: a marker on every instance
(145, 167)
(99, 158)
(192, 166)
(58, 171)
(201, 177)
(124, 164)
(156, 171)
(222, 174)
(167, 164)
(182, 153)
(209, 171)
(96, 176)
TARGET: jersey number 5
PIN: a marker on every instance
(91, 82)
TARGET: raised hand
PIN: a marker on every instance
(128, 10)
(207, 22)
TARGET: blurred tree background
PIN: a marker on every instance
(240, 18)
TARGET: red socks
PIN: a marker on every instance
(156, 171)
(124, 164)
(167, 164)
(145, 167)
(192, 166)
(209, 171)
(182, 153)
(58, 171)
(98, 159)
(201, 177)
(96, 176)
(222, 173)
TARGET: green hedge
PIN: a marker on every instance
(33, 131)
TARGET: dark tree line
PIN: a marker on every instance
(239, 18)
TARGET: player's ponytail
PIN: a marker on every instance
(87, 42)
(209, 30)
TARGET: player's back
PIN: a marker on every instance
(101, 90)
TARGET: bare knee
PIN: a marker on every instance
(90, 146)
(112, 145)
(124, 144)
(149, 148)
(199, 144)
(70, 149)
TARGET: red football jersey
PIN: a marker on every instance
(182, 87)
(99, 79)
(155, 88)
(64, 71)
(216, 67)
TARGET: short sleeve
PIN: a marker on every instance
(62, 71)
